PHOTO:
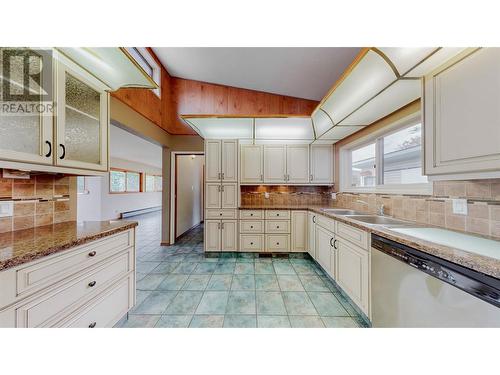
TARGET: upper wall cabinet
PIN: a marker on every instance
(221, 161)
(252, 164)
(321, 164)
(461, 116)
(275, 164)
(371, 75)
(297, 164)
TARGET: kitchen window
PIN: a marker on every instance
(153, 183)
(389, 161)
(143, 57)
(122, 181)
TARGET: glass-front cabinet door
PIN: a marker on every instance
(82, 119)
(26, 116)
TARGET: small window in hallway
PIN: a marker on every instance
(153, 183)
(122, 181)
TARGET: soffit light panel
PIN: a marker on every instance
(223, 128)
(394, 97)
(339, 132)
(288, 128)
(322, 122)
(111, 65)
(406, 58)
(434, 61)
(371, 75)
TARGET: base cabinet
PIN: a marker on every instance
(352, 272)
(299, 231)
(311, 236)
(221, 235)
(325, 250)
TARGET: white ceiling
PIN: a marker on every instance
(299, 72)
(125, 145)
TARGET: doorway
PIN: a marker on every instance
(187, 198)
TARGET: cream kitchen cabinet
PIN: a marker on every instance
(73, 139)
(297, 164)
(299, 231)
(353, 272)
(221, 195)
(311, 236)
(251, 164)
(221, 161)
(325, 252)
(221, 235)
(461, 117)
(275, 164)
(321, 164)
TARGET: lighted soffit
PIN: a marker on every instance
(289, 128)
(222, 128)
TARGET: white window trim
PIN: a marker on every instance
(345, 164)
(152, 62)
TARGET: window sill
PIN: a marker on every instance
(414, 189)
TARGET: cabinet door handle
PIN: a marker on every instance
(335, 244)
(63, 150)
(262, 177)
(311, 176)
(218, 225)
(92, 254)
(92, 284)
(222, 226)
(222, 188)
(92, 325)
(218, 188)
(50, 149)
(331, 244)
(222, 176)
(314, 219)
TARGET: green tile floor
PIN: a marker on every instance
(178, 286)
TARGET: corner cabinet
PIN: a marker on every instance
(461, 116)
(73, 139)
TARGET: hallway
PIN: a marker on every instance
(177, 286)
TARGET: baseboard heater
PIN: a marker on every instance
(124, 215)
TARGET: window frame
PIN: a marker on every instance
(377, 137)
(155, 187)
(150, 60)
(126, 171)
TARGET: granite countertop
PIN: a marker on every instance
(487, 265)
(22, 246)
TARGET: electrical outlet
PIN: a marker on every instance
(459, 206)
(266, 195)
(6, 208)
(334, 196)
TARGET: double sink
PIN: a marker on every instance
(368, 219)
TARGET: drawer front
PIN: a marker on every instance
(252, 226)
(220, 214)
(252, 242)
(59, 267)
(277, 226)
(277, 242)
(41, 311)
(107, 308)
(251, 214)
(278, 214)
(325, 222)
(356, 236)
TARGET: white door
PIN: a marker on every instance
(321, 164)
(461, 116)
(299, 231)
(352, 272)
(251, 159)
(212, 161)
(324, 244)
(229, 161)
(82, 121)
(229, 195)
(25, 137)
(275, 163)
(311, 234)
(297, 164)
(213, 195)
(212, 235)
(229, 235)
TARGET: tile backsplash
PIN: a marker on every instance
(483, 203)
(289, 195)
(43, 199)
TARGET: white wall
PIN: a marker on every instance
(100, 204)
(189, 192)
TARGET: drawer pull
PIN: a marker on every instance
(251, 226)
(251, 243)
(277, 214)
(92, 283)
(220, 214)
(92, 254)
(92, 325)
(277, 226)
(277, 243)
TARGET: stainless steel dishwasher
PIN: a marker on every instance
(413, 289)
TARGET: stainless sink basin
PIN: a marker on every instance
(341, 211)
(374, 219)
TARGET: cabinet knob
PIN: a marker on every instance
(92, 254)
(251, 214)
(92, 283)
(220, 214)
(92, 325)
(277, 243)
(251, 226)
(251, 243)
(277, 226)
(277, 214)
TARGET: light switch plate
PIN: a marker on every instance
(459, 206)
(6, 208)
(266, 195)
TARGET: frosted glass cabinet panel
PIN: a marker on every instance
(82, 120)
(24, 137)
